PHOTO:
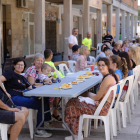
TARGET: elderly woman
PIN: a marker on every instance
(15, 84)
(33, 75)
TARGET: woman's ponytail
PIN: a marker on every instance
(124, 67)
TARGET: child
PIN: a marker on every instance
(46, 69)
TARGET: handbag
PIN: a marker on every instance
(6, 100)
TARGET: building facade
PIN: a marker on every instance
(31, 26)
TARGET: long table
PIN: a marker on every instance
(76, 90)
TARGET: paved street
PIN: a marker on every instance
(132, 132)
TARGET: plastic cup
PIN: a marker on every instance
(92, 67)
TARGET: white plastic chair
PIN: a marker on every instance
(134, 93)
(4, 129)
(125, 105)
(72, 64)
(106, 119)
(115, 114)
(92, 59)
(99, 48)
(61, 68)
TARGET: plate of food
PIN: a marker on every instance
(66, 86)
(84, 76)
(89, 74)
(79, 81)
(74, 82)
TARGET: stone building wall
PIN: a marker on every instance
(132, 3)
(15, 20)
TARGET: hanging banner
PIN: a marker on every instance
(96, 4)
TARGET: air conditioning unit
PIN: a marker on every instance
(22, 3)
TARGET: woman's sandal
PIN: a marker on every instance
(57, 118)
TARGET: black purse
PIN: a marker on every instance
(6, 100)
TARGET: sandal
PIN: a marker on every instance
(57, 118)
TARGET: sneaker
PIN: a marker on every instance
(43, 134)
(76, 137)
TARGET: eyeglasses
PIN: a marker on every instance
(20, 65)
(101, 65)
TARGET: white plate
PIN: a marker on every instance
(80, 81)
(86, 77)
(67, 88)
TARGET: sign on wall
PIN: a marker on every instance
(50, 15)
(96, 4)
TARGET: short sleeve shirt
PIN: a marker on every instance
(33, 72)
(74, 57)
(108, 38)
(102, 54)
(72, 40)
(15, 81)
(120, 73)
(52, 65)
(87, 42)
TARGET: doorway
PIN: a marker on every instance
(51, 35)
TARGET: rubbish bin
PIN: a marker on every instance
(57, 57)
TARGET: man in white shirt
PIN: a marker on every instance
(72, 41)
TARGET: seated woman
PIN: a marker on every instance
(33, 75)
(119, 66)
(130, 72)
(75, 108)
(134, 54)
(116, 49)
(126, 56)
(82, 60)
(8, 115)
(15, 85)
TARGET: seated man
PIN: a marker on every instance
(75, 52)
(48, 57)
(105, 53)
(15, 116)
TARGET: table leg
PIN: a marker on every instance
(42, 118)
(63, 120)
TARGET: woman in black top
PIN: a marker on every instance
(116, 49)
(15, 84)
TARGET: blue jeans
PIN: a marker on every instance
(34, 103)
